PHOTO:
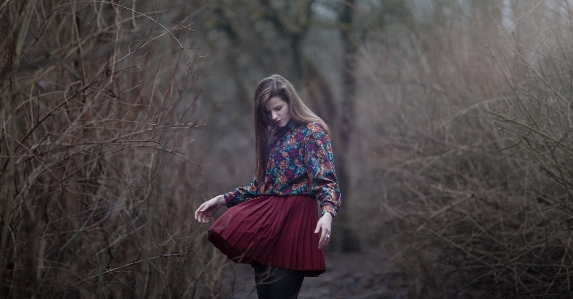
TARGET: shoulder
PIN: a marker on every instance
(314, 132)
(313, 128)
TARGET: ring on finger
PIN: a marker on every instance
(327, 237)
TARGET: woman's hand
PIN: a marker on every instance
(207, 209)
(323, 226)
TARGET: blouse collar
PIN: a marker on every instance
(277, 131)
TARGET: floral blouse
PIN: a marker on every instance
(300, 163)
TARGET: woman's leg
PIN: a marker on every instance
(277, 283)
(262, 273)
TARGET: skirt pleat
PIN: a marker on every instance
(276, 231)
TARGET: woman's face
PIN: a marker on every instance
(277, 110)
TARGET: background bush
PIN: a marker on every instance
(98, 108)
(473, 153)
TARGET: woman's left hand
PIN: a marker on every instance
(323, 226)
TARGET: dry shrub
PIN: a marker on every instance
(473, 153)
(97, 187)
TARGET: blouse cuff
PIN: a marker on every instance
(329, 209)
(229, 199)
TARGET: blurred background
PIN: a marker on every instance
(450, 120)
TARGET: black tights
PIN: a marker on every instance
(277, 283)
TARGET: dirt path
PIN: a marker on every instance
(349, 276)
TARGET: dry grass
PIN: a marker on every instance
(97, 191)
(473, 155)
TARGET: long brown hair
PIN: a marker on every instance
(276, 85)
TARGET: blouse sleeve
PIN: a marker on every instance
(320, 167)
(241, 194)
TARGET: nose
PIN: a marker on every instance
(274, 115)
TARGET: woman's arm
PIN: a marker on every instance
(241, 194)
(207, 209)
(320, 167)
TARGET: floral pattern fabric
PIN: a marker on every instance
(300, 163)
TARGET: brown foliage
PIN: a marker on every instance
(98, 103)
(473, 154)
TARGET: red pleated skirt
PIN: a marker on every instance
(275, 231)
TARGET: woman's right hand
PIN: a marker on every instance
(207, 209)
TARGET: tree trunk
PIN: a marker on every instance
(349, 241)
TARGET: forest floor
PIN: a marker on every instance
(350, 276)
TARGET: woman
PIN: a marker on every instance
(271, 222)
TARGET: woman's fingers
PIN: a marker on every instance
(323, 226)
(323, 242)
(204, 219)
(207, 209)
(324, 234)
(199, 212)
(325, 237)
(200, 215)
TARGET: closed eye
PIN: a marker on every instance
(278, 108)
